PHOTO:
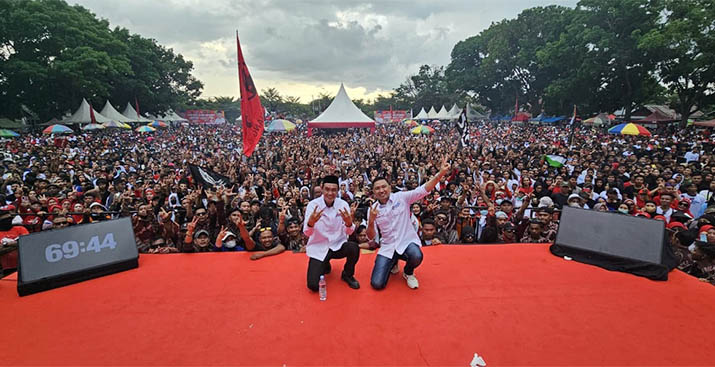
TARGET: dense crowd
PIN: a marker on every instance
(500, 190)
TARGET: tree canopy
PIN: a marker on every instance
(52, 55)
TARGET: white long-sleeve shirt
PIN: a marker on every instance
(394, 222)
(329, 232)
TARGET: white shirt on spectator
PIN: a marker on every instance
(329, 232)
(394, 222)
(692, 156)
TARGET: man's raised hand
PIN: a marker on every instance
(315, 216)
(373, 214)
(445, 166)
(347, 217)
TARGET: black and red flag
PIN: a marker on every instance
(252, 112)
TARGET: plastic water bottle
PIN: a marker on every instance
(322, 289)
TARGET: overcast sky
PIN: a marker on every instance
(303, 48)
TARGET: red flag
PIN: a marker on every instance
(251, 109)
(91, 114)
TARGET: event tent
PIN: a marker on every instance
(473, 114)
(442, 114)
(172, 116)
(109, 112)
(83, 115)
(432, 113)
(454, 112)
(709, 123)
(422, 115)
(131, 113)
(342, 113)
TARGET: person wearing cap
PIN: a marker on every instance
(561, 198)
(494, 224)
(575, 201)
(328, 223)
(9, 235)
(227, 241)
(398, 238)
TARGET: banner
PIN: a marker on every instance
(208, 178)
(252, 112)
(205, 117)
(391, 116)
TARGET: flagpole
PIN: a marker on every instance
(573, 121)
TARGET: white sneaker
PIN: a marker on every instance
(395, 269)
(411, 281)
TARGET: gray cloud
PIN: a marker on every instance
(370, 44)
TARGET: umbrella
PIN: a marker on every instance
(422, 129)
(280, 126)
(629, 129)
(93, 127)
(411, 123)
(145, 129)
(125, 125)
(57, 129)
(158, 123)
(116, 124)
(5, 133)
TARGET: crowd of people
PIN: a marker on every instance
(501, 189)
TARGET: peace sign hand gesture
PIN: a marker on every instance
(315, 216)
(347, 217)
(373, 214)
(445, 166)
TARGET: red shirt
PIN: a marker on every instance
(9, 260)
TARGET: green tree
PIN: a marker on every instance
(500, 64)
(684, 49)
(271, 99)
(53, 55)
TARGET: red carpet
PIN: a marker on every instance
(514, 305)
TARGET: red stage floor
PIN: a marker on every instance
(513, 304)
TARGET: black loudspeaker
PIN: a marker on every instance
(615, 241)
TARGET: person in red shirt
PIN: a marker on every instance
(8, 239)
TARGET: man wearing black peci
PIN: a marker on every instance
(328, 223)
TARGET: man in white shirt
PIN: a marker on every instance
(398, 238)
(328, 223)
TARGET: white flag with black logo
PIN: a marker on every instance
(463, 128)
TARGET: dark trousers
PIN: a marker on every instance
(316, 268)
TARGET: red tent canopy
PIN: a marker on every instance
(657, 117)
(522, 116)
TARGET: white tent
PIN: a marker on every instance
(442, 114)
(131, 113)
(109, 112)
(473, 114)
(432, 114)
(454, 112)
(83, 116)
(422, 115)
(342, 113)
(172, 116)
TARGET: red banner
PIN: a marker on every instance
(252, 113)
(205, 116)
(391, 116)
